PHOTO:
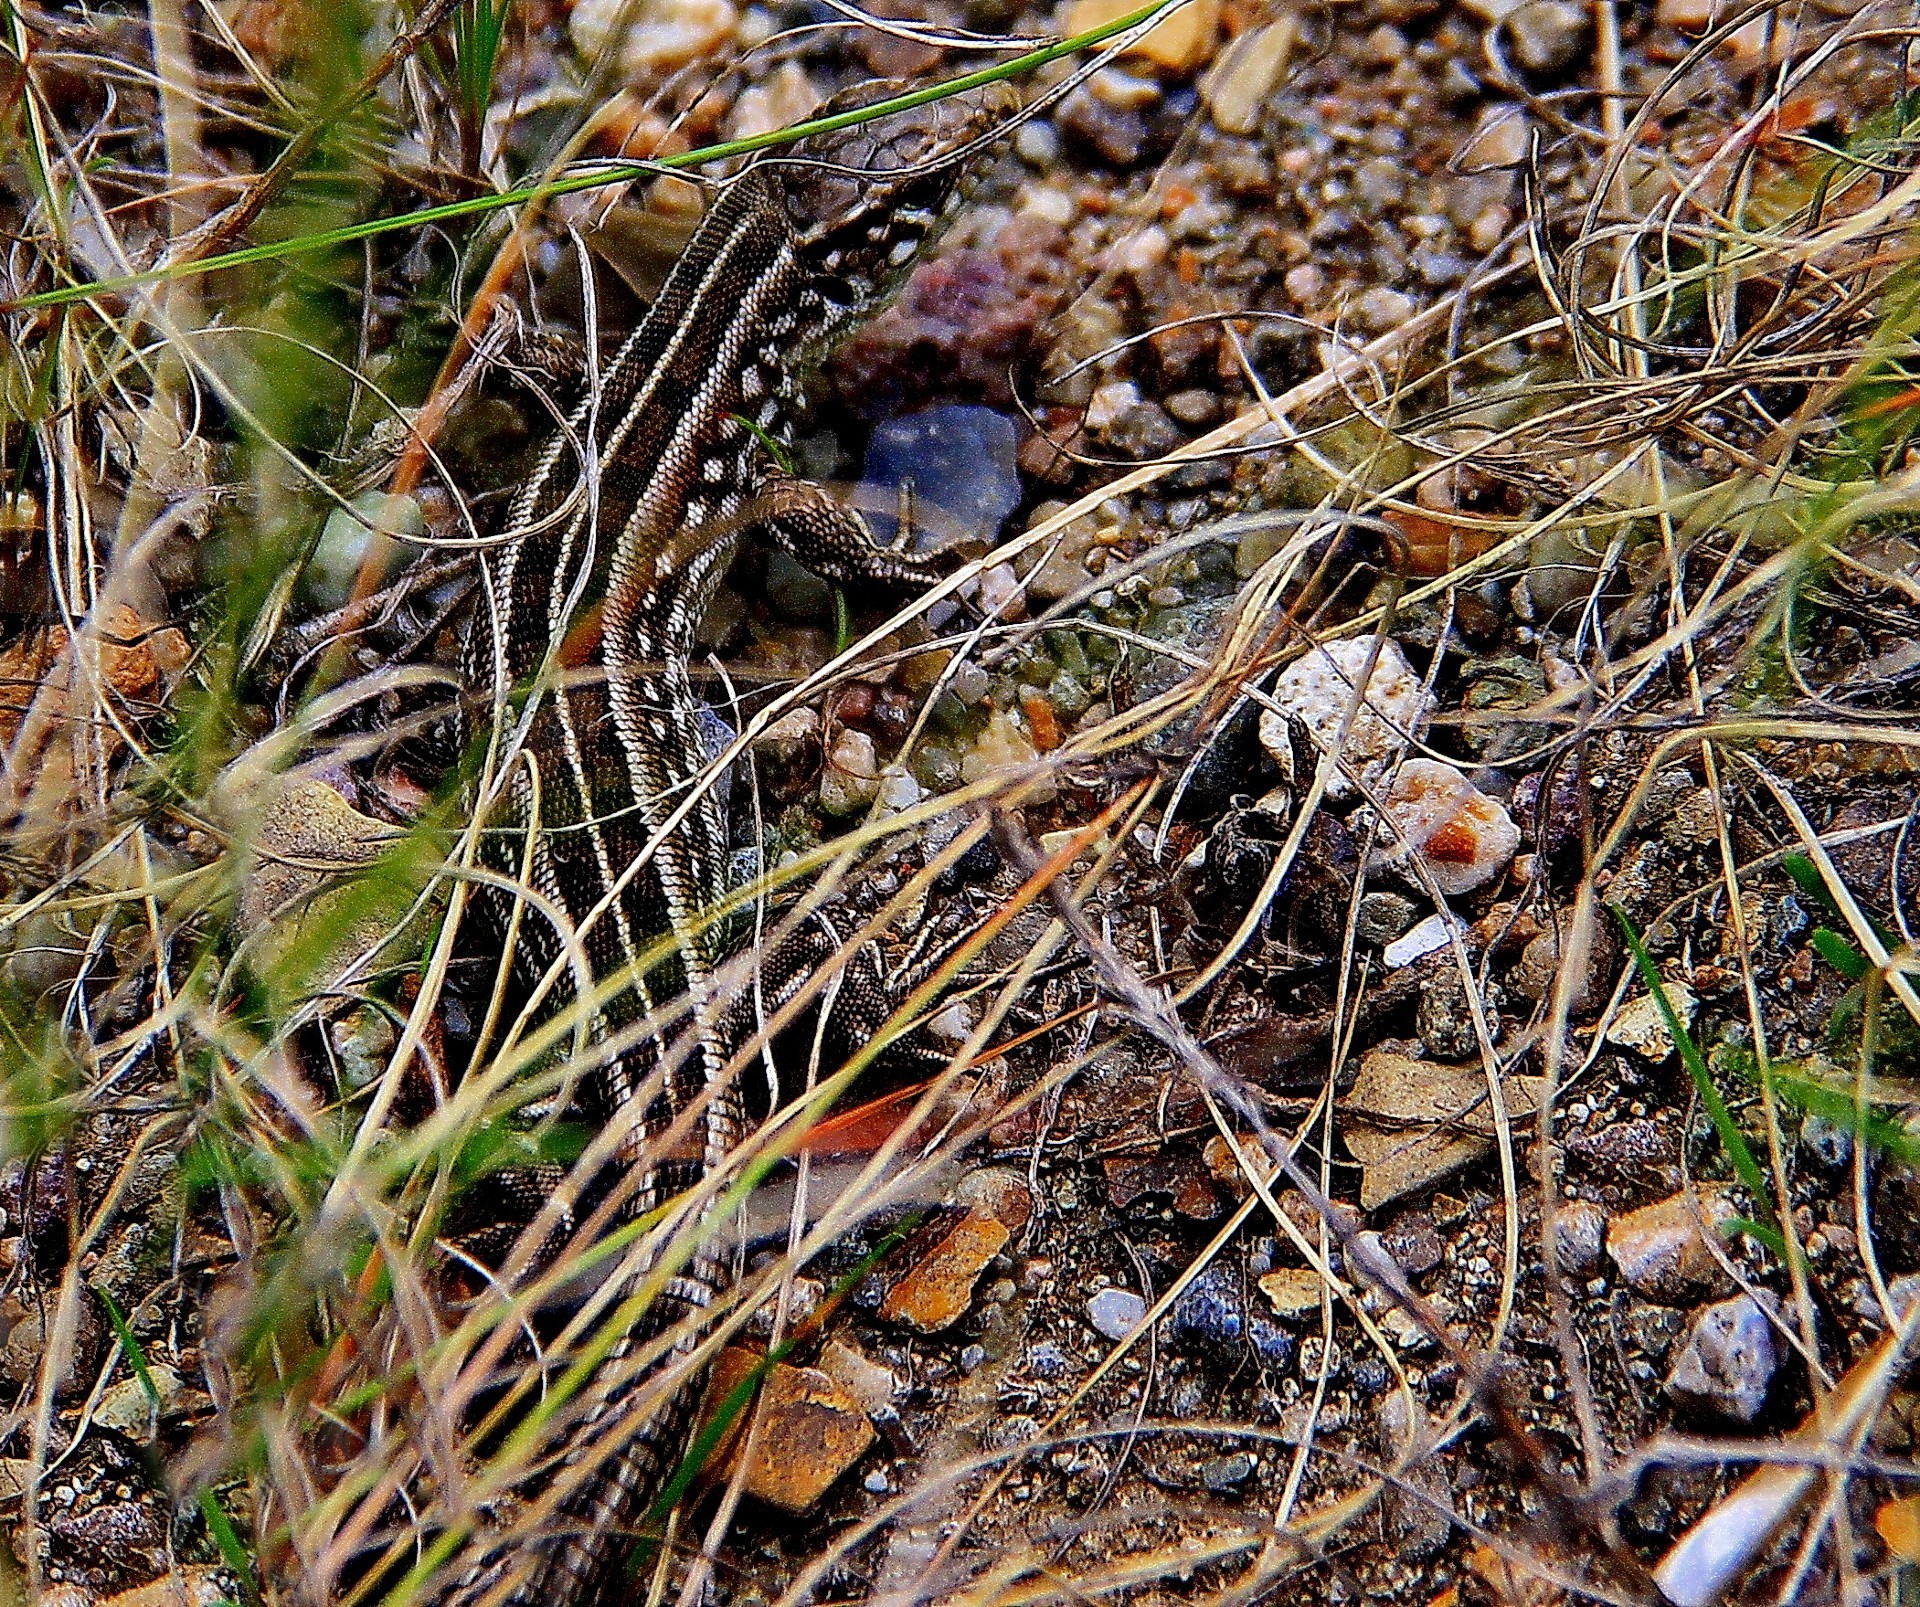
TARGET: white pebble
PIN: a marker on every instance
(1463, 837)
(1318, 689)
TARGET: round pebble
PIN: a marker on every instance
(1463, 837)
(1115, 1313)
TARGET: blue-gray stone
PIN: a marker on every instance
(1211, 1310)
(1115, 1313)
(963, 466)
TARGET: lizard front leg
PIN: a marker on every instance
(831, 538)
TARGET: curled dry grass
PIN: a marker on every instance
(1719, 422)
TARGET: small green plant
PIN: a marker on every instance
(1896, 1037)
(468, 65)
(219, 1525)
(1745, 1166)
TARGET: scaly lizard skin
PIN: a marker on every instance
(799, 248)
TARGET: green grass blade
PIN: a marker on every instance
(1745, 1166)
(610, 173)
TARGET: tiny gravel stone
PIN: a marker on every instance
(1410, 1238)
(1210, 1310)
(1661, 1251)
(1728, 1363)
(876, 1483)
(1580, 1237)
(347, 537)
(1379, 309)
(1237, 88)
(1037, 144)
(1317, 689)
(648, 41)
(1382, 917)
(1047, 1360)
(1115, 1313)
(1435, 932)
(851, 779)
(1499, 140)
(1225, 1474)
(1184, 42)
(1463, 837)
(1827, 1142)
(1641, 1025)
(1548, 34)
(1193, 407)
(973, 1358)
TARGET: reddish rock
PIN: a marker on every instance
(1662, 1250)
(936, 1292)
(812, 1429)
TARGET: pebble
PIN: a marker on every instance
(1410, 1238)
(128, 1406)
(1579, 1237)
(1500, 139)
(938, 1289)
(1126, 421)
(1688, 16)
(1118, 138)
(1424, 937)
(1317, 689)
(1123, 91)
(1211, 1311)
(1380, 309)
(1037, 144)
(1641, 1026)
(788, 739)
(1727, 1365)
(1548, 34)
(858, 1374)
(899, 791)
(1224, 1475)
(1048, 1360)
(851, 779)
(787, 96)
(1116, 1312)
(803, 1302)
(962, 463)
(1294, 1291)
(346, 539)
(1411, 1122)
(651, 40)
(1463, 836)
(1382, 917)
(1538, 968)
(1183, 43)
(1829, 1143)
(1003, 745)
(1661, 1252)
(1236, 88)
(811, 1430)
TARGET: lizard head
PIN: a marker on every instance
(864, 201)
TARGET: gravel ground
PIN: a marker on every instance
(1550, 551)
